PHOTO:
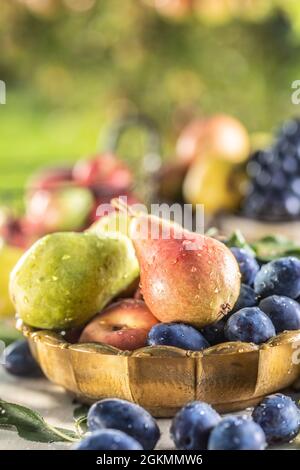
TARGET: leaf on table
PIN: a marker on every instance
(237, 239)
(80, 419)
(31, 425)
(212, 232)
(273, 247)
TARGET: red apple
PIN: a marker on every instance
(62, 209)
(218, 136)
(124, 324)
(50, 179)
(105, 173)
(12, 230)
(189, 140)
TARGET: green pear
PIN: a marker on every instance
(64, 279)
(115, 222)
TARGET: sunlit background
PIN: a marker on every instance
(72, 67)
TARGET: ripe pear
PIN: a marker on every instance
(215, 183)
(185, 277)
(64, 279)
(9, 255)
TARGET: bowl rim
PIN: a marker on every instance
(56, 339)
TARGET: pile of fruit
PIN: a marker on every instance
(194, 291)
(60, 199)
(67, 198)
(190, 293)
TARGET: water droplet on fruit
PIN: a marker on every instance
(65, 257)
(54, 278)
(193, 269)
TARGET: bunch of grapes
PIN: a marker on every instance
(274, 173)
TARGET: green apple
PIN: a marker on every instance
(64, 279)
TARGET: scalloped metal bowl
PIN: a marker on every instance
(229, 376)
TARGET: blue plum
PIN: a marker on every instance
(237, 433)
(283, 312)
(19, 361)
(178, 335)
(279, 277)
(247, 298)
(214, 333)
(249, 325)
(248, 265)
(192, 426)
(279, 417)
(108, 439)
(113, 413)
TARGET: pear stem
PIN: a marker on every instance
(122, 206)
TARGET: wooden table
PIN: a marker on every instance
(57, 408)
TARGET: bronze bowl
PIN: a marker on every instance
(230, 376)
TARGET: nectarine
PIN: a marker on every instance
(124, 324)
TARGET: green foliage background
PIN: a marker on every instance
(69, 76)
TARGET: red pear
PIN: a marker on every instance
(185, 276)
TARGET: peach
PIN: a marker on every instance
(124, 324)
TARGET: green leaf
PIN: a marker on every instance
(212, 232)
(237, 239)
(31, 425)
(80, 418)
(273, 247)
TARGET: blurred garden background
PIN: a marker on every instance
(72, 67)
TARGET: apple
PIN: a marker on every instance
(124, 324)
(105, 173)
(220, 136)
(49, 178)
(63, 209)
(189, 141)
(12, 230)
